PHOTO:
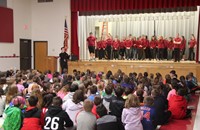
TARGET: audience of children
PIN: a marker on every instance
(89, 101)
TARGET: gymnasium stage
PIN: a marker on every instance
(127, 66)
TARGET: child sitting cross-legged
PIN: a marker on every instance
(13, 113)
(148, 113)
(131, 114)
(56, 118)
(106, 122)
(32, 120)
(86, 120)
(178, 105)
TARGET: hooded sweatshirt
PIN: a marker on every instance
(72, 109)
(56, 119)
(68, 96)
(106, 101)
(32, 119)
(178, 106)
(13, 118)
(131, 118)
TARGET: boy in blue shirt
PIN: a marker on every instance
(148, 113)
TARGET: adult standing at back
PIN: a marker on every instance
(64, 57)
(91, 42)
(192, 45)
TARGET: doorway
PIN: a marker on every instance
(25, 54)
(40, 55)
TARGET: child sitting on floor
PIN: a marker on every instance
(106, 122)
(131, 114)
(13, 113)
(32, 115)
(178, 105)
(148, 113)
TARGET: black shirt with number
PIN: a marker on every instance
(57, 119)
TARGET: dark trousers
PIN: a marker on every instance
(176, 54)
(121, 52)
(153, 53)
(191, 54)
(147, 53)
(165, 53)
(63, 67)
(101, 54)
(128, 53)
(140, 53)
(160, 53)
(115, 54)
(109, 52)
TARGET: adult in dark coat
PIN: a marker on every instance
(64, 57)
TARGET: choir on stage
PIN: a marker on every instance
(141, 48)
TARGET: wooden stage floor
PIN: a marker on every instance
(127, 66)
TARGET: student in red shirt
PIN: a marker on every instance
(153, 45)
(182, 48)
(146, 47)
(134, 48)
(170, 46)
(103, 48)
(109, 43)
(116, 48)
(122, 48)
(192, 45)
(128, 45)
(98, 48)
(91, 41)
(165, 48)
(161, 46)
(140, 48)
(177, 41)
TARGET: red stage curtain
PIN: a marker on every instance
(110, 5)
(74, 34)
(102, 5)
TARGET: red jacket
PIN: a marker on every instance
(134, 44)
(121, 44)
(94, 111)
(182, 45)
(178, 106)
(139, 44)
(99, 45)
(153, 44)
(128, 44)
(103, 44)
(170, 45)
(192, 43)
(32, 119)
(145, 43)
(115, 45)
(178, 39)
(91, 41)
(109, 42)
(161, 44)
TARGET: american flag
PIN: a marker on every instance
(66, 35)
